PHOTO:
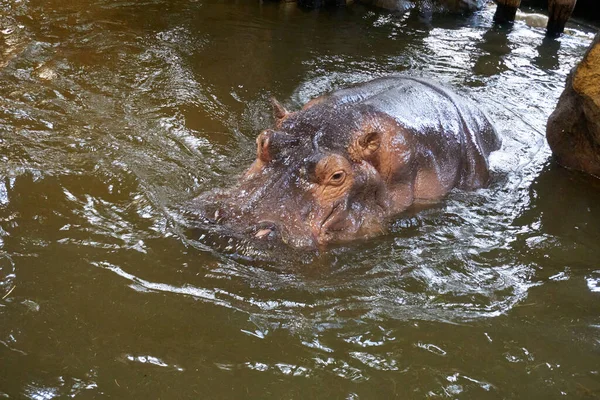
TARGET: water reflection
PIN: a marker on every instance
(495, 46)
(548, 54)
(574, 197)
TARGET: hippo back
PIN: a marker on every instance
(442, 120)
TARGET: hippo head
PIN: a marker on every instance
(318, 178)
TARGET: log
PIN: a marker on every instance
(506, 10)
(559, 12)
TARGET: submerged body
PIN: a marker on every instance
(346, 163)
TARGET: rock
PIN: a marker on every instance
(532, 19)
(573, 129)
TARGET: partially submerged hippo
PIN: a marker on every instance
(348, 162)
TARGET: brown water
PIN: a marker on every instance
(113, 113)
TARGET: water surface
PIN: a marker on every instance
(114, 113)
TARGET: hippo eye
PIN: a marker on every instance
(337, 178)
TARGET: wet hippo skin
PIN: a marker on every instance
(346, 163)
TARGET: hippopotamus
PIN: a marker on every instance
(348, 162)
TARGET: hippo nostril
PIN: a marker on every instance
(218, 216)
(264, 230)
(264, 233)
(211, 213)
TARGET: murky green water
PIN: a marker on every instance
(113, 113)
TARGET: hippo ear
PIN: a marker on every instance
(279, 111)
(369, 144)
(263, 146)
(364, 146)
